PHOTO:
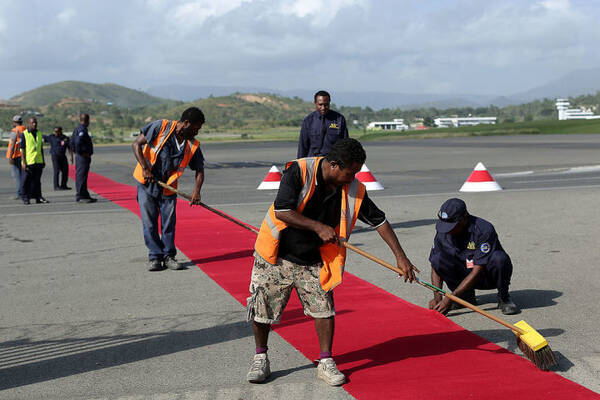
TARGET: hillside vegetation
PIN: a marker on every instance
(262, 115)
(87, 92)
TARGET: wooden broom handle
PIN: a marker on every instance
(449, 295)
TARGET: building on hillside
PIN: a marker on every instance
(564, 112)
(455, 122)
(396, 125)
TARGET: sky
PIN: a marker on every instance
(497, 47)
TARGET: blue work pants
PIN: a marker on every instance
(31, 182)
(497, 274)
(82, 168)
(60, 165)
(16, 170)
(150, 209)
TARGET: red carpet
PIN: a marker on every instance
(388, 348)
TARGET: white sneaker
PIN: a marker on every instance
(329, 372)
(260, 369)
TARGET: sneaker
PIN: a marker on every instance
(507, 306)
(329, 372)
(41, 200)
(171, 263)
(155, 265)
(260, 368)
(90, 200)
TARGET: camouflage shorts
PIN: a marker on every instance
(271, 287)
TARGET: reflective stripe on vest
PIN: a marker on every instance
(152, 149)
(14, 151)
(33, 147)
(333, 256)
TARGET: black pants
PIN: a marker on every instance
(497, 274)
(61, 167)
(82, 167)
(31, 182)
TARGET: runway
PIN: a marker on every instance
(62, 263)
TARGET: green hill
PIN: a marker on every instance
(88, 92)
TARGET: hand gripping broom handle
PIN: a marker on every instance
(436, 289)
(209, 208)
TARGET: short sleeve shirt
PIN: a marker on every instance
(169, 157)
(477, 244)
(302, 246)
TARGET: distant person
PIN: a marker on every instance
(59, 144)
(32, 151)
(163, 149)
(13, 153)
(321, 128)
(83, 148)
(467, 255)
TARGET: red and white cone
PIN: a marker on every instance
(272, 179)
(480, 180)
(366, 177)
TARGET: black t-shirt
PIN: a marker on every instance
(302, 246)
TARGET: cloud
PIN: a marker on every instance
(391, 45)
(66, 15)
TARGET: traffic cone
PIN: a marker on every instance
(272, 179)
(480, 180)
(366, 177)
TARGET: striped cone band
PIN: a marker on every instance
(480, 180)
(272, 179)
(366, 177)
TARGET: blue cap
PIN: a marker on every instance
(450, 214)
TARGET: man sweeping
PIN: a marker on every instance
(163, 150)
(316, 207)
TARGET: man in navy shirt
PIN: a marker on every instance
(173, 143)
(83, 149)
(467, 255)
(321, 128)
(59, 144)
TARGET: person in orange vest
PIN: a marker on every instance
(298, 246)
(13, 153)
(163, 149)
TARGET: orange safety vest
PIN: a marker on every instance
(14, 149)
(151, 150)
(332, 255)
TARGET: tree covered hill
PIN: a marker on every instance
(87, 92)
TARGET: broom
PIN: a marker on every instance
(532, 344)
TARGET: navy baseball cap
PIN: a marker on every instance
(450, 215)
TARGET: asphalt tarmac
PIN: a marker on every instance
(81, 318)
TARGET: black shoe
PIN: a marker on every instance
(469, 297)
(90, 200)
(64, 188)
(41, 200)
(507, 306)
(26, 202)
(155, 265)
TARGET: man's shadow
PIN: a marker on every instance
(524, 298)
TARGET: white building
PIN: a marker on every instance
(455, 122)
(564, 112)
(396, 125)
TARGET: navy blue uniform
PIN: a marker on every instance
(60, 165)
(151, 199)
(83, 148)
(452, 257)
(319, 133)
